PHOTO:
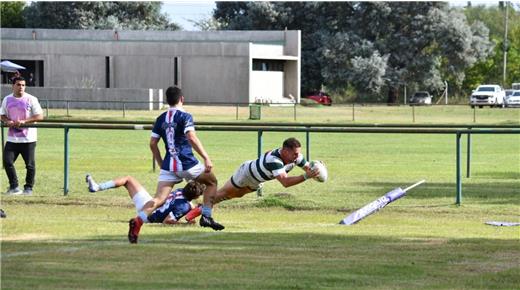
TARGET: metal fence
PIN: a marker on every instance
(457, 130)
(351, 111)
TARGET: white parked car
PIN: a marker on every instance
(513, 100)
(488, 95)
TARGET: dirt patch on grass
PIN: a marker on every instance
(27, 237)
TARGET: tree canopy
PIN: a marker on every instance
(371, 46)
(11, 14)
(97, 15)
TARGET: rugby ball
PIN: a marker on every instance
(323, 175)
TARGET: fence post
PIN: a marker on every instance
(468, 156)
(46, 108)
(413, 114)
(3, 144)
(294, 111)
(353, 116)
(66, 162)
(259, 191)
(307, 140)
(474, 115)
(67, 108)
(459, 182)
(237, 112)
(124, 109)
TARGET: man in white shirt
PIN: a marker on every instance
(17, 109)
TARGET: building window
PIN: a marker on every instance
(107, 72)
(268, 65)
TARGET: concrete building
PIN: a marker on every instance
(210, 66)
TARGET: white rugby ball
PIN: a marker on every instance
(322, 177)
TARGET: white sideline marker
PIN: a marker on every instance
(377, 204)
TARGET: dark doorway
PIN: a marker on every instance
(34, 67)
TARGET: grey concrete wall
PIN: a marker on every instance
(222, 82)
(110, 35)
(214, 65)
(292, 71)
(90, 98)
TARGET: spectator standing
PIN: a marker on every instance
(30, 81)
(17, 109)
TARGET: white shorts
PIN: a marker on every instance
(140, 199)
(176, 177)
(243, 178)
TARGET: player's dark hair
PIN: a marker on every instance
(193, 189)
(173, 95)
(291, 143)
(17, 79)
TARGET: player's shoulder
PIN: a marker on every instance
(183, 114)
(160, 118)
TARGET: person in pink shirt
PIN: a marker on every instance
(17, 109)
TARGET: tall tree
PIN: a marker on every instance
(490, 70)
(12, 14)
(419, 44)
(370, 45)
(97, 15)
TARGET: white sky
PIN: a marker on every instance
(182, 11)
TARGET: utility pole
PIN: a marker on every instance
(506, 44)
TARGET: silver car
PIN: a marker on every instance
(513, 100)
(421, 98)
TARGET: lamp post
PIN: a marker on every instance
(506, 44)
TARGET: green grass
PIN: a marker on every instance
(290, 237)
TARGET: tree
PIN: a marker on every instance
(419, 44)
(490, 70)
(12, 14)
(370, 45)
(97, 15)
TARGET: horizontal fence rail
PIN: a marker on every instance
(291, 124)
(285, 127)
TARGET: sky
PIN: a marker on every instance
(181, 12)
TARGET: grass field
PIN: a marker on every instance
(290, 237)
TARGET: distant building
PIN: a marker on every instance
(210, 66)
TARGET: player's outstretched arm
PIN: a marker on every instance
(288, 181)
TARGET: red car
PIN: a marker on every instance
(320, 98)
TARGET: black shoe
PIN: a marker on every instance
(2, 214)
(209, 222)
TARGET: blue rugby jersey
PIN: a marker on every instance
(175, 206)
(172, 126)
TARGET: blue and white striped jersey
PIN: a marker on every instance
(270, 165)
(172, 126)
(175, 206)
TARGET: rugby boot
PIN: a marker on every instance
(134, 226)
(209, 222)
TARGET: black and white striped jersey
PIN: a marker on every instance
(270, 165)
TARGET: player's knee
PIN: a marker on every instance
(210, 180)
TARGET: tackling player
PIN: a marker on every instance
(177, 205)
(274, 164)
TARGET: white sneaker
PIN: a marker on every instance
(92, 185)
(14, 191)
